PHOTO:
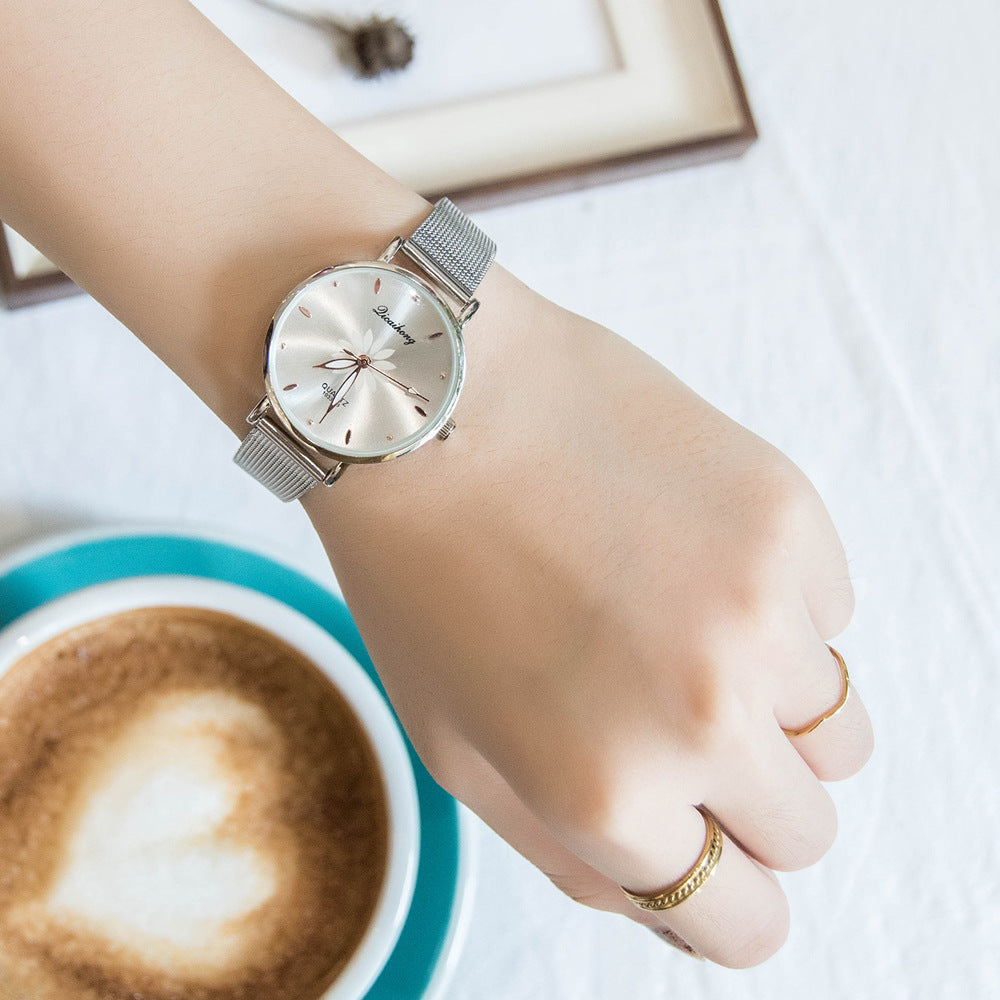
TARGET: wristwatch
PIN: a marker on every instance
(364, 361)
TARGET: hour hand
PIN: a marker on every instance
(345, 386)
(338, 364)
(339, 395)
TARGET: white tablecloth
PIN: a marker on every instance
(836, 291)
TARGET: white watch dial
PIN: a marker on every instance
(364, 361)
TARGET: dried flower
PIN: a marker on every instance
(381, 45)
(370, 48)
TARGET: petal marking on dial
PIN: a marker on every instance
(422, 413)
(305, 312)
(380, 343)
(378, 285)
(288, 388)
(434, 336)
(347, 436)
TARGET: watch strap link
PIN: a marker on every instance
(276, 461)
(453, 244)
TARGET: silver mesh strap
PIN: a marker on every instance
(274, 460)
(452, 242)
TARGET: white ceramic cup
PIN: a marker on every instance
(56, 617)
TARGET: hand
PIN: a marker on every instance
(410, 391)
(594, 617)
(363, 361)
(339, 364)
(339, 395)
(596, 606)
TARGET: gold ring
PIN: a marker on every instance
(696, 877)
(845, 688)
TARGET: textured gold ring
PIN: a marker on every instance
(845, 689)
(696, 876)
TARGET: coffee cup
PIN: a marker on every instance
(202, 795)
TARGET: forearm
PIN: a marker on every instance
(176, 182)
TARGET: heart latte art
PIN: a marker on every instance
(150, 860)
(188, 810)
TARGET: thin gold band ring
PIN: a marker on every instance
(696, 876)
(845, 689)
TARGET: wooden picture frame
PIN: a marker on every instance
(26, 277)
(674, 98)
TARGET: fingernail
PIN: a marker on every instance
(673, 938)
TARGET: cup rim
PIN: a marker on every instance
(35, 627)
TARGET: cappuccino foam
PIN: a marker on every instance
(189, 810)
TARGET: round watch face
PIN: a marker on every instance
(364, 361)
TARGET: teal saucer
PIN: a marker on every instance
(42, 572)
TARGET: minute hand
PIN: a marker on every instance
(409, 388)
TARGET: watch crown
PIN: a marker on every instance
(446, 428)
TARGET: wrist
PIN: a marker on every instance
(441, 474)
(334, 399)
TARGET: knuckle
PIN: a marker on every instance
(746, 600)
(775, 503)
(710, 710)
(746, 623)
(438, 768)
(780, 518)
(590, 892)
(713, 723)
(783, 524)
(605, 807)
(589, 803)
(443, 762)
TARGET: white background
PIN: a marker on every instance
(836, 290)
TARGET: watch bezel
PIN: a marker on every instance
(432, 428)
